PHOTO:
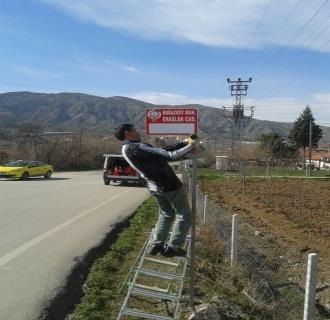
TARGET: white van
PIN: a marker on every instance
(117, 169)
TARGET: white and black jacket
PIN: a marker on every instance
(152, 163)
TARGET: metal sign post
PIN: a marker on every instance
(193, 231)
(179, 121)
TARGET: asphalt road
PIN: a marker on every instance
(46, 228)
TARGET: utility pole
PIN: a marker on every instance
(32, 140)
(238, 89)
(309, 170)
(13, 143)
(79, 150)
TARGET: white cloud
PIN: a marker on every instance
(177, 99)
(277, 109)
(131, 69)
(122, 66)
(272, 109)
(219, 23)
(289, 109)
(104, 67)
(322, 98)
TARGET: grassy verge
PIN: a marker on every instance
(218, 286)
(102, 299)
(216, 283)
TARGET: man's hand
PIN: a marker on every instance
(193, 139)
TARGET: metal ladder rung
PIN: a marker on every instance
(143, 286)
(152, 291)
(154, 294)
(174, 264)
(162, 275)
(188, 236)
(140, 314)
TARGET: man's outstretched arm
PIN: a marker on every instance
(175, 146)
(170, 155)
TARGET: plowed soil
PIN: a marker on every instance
(295, 211)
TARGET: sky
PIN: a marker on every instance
(172, 51)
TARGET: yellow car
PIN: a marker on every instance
(23, 169)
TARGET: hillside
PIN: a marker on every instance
(65, 111)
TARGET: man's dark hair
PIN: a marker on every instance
(120, 131)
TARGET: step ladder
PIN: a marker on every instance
(155, 280)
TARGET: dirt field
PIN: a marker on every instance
(295, 211)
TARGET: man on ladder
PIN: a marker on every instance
(152, 164)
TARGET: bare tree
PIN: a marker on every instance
(49, 148)
(32, 130)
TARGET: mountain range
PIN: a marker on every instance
(73, 111)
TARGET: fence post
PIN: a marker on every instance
(309, 305)
(234, 239)
(193, 233)
(206, 202)
(197, 196)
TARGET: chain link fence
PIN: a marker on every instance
(274, 278)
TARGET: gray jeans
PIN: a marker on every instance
(173, 205)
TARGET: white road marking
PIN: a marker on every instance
(13, 254)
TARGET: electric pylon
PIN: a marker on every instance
(238, 88)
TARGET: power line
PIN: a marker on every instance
(253, 34)
(259, 24)
(284, 23)
(298, 33)
(315, 61)
(310, 20)
(299, 51)
(308, 41)
(292, 12)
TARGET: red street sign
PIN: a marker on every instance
(172, 121)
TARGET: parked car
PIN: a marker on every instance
(23, 169)
(117, 169)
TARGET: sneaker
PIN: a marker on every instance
(156, 248)
(170, 252)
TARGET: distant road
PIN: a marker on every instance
(46, 226)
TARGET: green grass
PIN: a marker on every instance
(212, 174)
(214, 277)
(102, 298)
(209, 174)
(101, 291)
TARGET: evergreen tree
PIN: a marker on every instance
(272, 142)
(275, 145)
(299, 134)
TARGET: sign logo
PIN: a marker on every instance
(154, 114)
(172, 121)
